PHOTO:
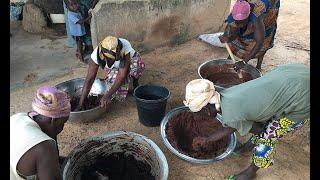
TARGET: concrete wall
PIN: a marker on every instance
(152, 23)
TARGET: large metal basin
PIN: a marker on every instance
(141, 147)
(203, 70)
(164, 122)
(74, 88)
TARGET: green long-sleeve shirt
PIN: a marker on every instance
(283, 92)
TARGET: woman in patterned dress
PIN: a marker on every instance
(268, 107)
(122, 65)
(251, 28)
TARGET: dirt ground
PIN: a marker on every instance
(174, 67)
(47, 56)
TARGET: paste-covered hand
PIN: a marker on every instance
(104, 101)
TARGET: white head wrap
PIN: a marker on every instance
(199, 93)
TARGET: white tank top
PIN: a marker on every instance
(25, 133)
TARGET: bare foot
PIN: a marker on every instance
(80, 56)
(245, 176)
(248, 174)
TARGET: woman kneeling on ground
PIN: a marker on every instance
(269, 107)
(122, 65)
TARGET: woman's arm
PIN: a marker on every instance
(229, 35)
(223, 132)
(199, 142)
(122, 74)
(47, 161)
(91, 75)
(259, 33)
(256, 128)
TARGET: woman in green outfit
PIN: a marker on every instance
(269, 107)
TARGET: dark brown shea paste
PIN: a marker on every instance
(184, 127)
(117, 166)
(225, 76)
(89, 103)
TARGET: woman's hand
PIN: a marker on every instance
(90, 14)
(224, 39)
(91, 75)
(239, 65)
(122, 74)
(78, 108)
(104, 101)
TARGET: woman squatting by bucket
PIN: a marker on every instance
(269, 107)
(122, 65)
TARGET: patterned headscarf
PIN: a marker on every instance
(108, 48)
(199, 93)
(240, 10)
(51, 102)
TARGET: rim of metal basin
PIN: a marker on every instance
(81, 79)
(230, 149)
(111, 134)
(228, 61)
(148, 100)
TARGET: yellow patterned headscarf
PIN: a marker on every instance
(110, 43)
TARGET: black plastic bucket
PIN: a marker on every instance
(151, 103)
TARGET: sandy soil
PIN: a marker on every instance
(174, 67)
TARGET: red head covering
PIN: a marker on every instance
(240, 10)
